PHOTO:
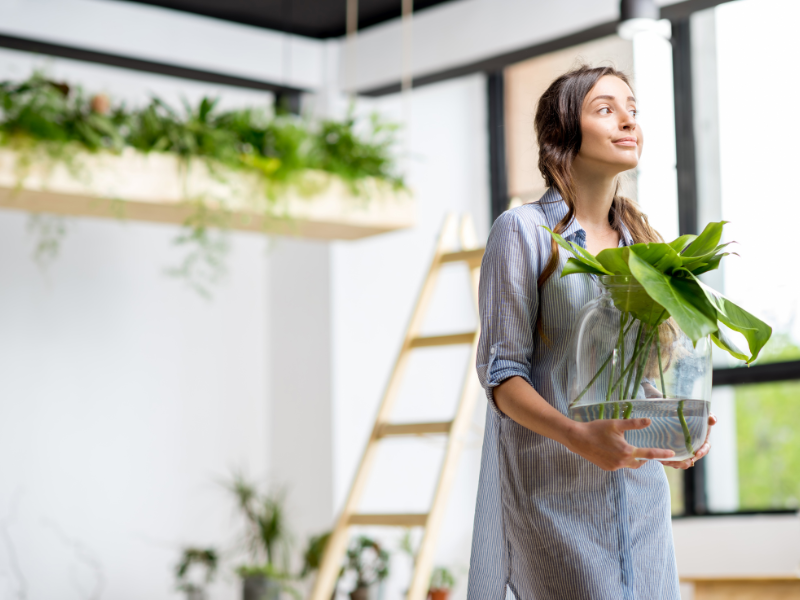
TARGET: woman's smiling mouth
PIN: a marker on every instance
(626, 141)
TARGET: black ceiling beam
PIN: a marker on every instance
(147, 66)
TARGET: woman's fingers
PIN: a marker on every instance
(652, 453)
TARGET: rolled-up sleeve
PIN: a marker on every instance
(508, 304)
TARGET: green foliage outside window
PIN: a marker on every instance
(768, 436)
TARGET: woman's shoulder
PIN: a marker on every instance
(527, 219)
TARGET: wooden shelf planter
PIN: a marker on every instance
(162, 188)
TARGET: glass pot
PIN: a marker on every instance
(627, 360)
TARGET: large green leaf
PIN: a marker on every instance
(661, 256)
(755, 331)
(724, 341)
(615, 260)
(575, 266)
(680, 243)
(710, 264)
(684, 305)
(580, 254)
(706, 241)
(690, 263)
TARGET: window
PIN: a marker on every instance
(747, 155)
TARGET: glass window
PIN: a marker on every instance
(758, 156)
(742, 66)
(761, 469)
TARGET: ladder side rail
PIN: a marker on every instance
(327, 574)
(423, 564)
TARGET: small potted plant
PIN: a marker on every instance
(266, 538)
(442, 583)
(195, 570)
(369, 562)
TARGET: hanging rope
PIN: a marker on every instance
(351, 66)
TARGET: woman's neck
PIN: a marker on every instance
(595, 192)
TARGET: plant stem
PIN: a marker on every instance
(620, 342)
(602, 368)
(643, 361)
(634, 356)
(687, 435)
(622, 351)
(591, 383)
(660, 368)
(637, 352)
(628, 410)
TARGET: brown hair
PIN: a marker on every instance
(558, 132)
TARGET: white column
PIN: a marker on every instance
(656, 175)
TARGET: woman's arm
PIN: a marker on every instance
(600, 442)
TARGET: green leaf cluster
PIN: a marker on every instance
(664, 282)
(442, 579)
(208, 558)
(266, 534)
(277, 146)
(368, 560)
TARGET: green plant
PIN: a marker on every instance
(367, 560)
(45, 119)
(669, 277)
(204, 557)
(315, 550)
(266, 536)
(442, 579)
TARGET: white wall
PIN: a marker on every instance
(375, 285)
(125, 401)
(168, 36)
(459, 33)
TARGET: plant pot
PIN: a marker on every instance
(259, 587)
(160, 187)
(627, 361)
(439, 594)
(368, 592)
(195, 593)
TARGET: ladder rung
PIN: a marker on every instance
(443, 340)
(396, 520)
(415, 428)
(472, 257)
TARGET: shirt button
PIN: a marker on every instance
(491, 351)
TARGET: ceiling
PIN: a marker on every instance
(312, 18)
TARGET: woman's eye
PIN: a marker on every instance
(605, 108)
(634, 112)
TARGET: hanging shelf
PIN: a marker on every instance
(161, 188)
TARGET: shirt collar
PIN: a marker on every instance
(555, 208)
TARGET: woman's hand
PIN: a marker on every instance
(603, 443)
(701, 451)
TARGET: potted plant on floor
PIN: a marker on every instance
(196, 570)
(369, 563)
(442, 583)
(267, 541)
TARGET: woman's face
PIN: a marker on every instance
(611, 139)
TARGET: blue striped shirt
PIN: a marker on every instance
(549, 524)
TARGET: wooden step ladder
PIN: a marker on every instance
(456, 430)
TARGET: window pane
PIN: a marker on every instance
(754, 463)
(758, 158)
(768, 434)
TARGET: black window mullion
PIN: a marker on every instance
(498, 177)
(694, 479)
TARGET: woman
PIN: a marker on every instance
(565, 510)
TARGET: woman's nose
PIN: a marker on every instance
(628, 122)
